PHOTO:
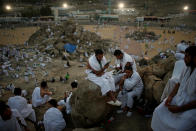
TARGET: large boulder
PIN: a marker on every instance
(158, 88)
(155, 77)
(149, 82)
(89, 107)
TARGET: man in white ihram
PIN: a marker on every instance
(177, 112)
(181, 47)
(178, 69)
(123, 59)
(41, 95)
(20, 103)
(53, 118)
(11, 119)
(96, 67)
(131, 86)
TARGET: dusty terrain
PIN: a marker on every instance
(115, 33)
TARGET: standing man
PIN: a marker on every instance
(177, 112)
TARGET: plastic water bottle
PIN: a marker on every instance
(67, 76)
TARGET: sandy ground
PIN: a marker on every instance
(117, 34)
(16, 35)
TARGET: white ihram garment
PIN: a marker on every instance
(164, 120)
(53, 120)
(37, 100)
(12, 124)
(106, 81)
(66, 104)
(20, 103)
(180, 48)
(179, 67)
(126, 58)
(133, 86)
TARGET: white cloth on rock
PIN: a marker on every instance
(25, 109)
(164, 120)
(106, 81)
(133, 87)
(53, 120)
(12, 124)
(37, 100)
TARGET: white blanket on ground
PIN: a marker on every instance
(20, 103)
(53, 120)
(12, 124)
(106, 81)
(37, 100)
(164, 120)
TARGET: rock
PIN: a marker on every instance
(67, 32)
(147, 70)
(88, 105)
(158, 88)
(158, 70)
(167, 76)
(59, 46)
(55, 52)
(149, 82)
(155, 77)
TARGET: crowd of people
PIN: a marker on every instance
(120, 86)
(18, 109)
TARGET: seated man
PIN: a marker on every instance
(53, 118)
(41, 95)
(179, 67)
(123, 59)
(181, 47)
(10, 119)
(96, 67)
(177, 112)
(66, 101)
(20, 103)
(130, 86)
